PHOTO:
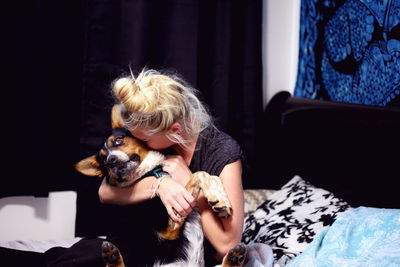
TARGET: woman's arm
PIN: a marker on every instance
(140, 191)
(171, 192)
(224, 234)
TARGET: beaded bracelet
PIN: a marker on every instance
(156, 187)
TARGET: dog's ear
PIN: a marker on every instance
(89, 166)
(116, 120)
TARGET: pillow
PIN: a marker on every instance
(254, 197)
(292, 217)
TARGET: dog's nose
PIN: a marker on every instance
(112, 160)
(123, 170)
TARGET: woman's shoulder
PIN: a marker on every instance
(217, 141)
(215, 149)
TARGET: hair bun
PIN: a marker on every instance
(134, 98)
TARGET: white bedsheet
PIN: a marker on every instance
(39, 245)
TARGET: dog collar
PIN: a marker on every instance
(157, 172)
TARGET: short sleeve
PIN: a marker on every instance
(226, 151)
(215, 150)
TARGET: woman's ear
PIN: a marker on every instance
(176, 128)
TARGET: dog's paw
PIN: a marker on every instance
(111, 255)
(221, 208)
(215, 194)
(236, 256)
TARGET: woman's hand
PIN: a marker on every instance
(176, 199)
(177, 167)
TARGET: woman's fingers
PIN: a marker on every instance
(183, 207)
(189, 199)
(177, 200)
(178, 209)
(173, 215)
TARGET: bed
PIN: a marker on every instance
(322, 166)
(333, 167)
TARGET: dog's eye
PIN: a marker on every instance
(118, 141)
(135, 157)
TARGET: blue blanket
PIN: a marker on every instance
(361, 236)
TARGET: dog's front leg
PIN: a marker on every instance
(173, 229)
(215, 194)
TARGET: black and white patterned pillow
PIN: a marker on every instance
(292, 217)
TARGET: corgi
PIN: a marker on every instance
(122, 161)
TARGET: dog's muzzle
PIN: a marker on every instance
(121, 166)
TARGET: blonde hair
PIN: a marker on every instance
(153, 101)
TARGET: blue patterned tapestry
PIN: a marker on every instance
(350, 51)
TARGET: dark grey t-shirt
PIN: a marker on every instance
(214, 150)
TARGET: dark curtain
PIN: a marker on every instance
(214, 45)
(67, 53)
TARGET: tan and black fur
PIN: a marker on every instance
(123, 160)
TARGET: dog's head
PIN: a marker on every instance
(123, 159)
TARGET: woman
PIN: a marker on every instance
(165, 113)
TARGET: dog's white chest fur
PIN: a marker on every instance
(152, 160)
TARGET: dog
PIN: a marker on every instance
(122, 161)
